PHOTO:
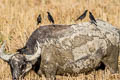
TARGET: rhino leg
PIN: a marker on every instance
(111, 61)
(39, 72)
(36, 67)
(50, 76)
(49, 71)
(113, 66)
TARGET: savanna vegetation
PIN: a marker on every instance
(18, 21)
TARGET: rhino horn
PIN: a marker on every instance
(3, 55)
(35, 55)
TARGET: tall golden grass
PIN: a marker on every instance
(18, 21)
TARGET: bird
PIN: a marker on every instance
(82, 16)
(93, 21)
(50, 18)
(39, 19)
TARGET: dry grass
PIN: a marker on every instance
(18, 21)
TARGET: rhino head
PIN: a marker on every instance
(19, 63)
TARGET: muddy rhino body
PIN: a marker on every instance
(73, 49)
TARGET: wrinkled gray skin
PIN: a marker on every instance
(70, 49)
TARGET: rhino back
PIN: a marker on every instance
(41, 34)
(81, 33)
(85, 38)
(82, 45)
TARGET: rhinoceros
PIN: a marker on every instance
(66, 49)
